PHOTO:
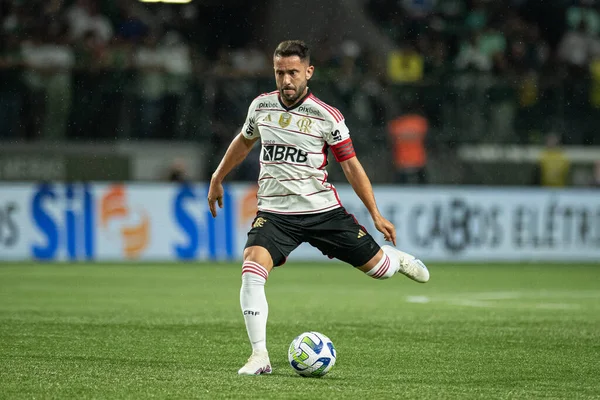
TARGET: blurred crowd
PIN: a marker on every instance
(522, 67)
(511, 37)
(66, 67)
(87, 69)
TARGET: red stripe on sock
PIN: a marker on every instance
(253, 271)
(381, 273)
(383, 269)
(376, 274)
(383, 266)
(256, 265)
(255, 268)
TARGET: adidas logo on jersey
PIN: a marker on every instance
(361, 233)
(284, 153)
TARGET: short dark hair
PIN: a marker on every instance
(290, 48)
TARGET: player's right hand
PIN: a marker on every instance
(215, 194)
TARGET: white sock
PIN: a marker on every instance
(254, 304)
(387, 266)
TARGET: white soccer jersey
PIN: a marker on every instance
(295, 143)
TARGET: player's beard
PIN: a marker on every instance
(291, 99)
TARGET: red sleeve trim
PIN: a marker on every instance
(343, 150)
(334, 112)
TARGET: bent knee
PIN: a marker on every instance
(260, 255)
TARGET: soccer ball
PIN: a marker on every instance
(312, 354)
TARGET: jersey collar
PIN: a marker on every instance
(298, 104)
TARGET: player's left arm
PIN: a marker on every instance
(357, 177)
(338, 139)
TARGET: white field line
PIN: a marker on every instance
(529, 299)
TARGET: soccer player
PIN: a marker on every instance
(296, 204)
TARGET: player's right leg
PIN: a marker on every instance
(272, 238)
(255, 271)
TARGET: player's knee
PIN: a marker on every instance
(372, 261)
(384, 267)
(259, 255)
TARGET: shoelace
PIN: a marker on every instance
(404, 262)
(250, 358)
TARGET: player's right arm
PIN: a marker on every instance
(236, 153)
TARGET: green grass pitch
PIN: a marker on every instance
(110, 331)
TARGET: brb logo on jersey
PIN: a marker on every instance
(274, 152)
(133, 236)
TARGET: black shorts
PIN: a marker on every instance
(336, 233)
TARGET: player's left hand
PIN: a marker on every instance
(387, 228)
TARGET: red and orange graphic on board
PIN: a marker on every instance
(135, 238)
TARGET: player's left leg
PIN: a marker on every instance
(389, 261)
(338, 235)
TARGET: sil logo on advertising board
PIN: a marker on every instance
(65, 218)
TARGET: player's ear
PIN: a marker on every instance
(309, 71)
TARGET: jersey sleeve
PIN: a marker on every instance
(250, 130)
(339, 141)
